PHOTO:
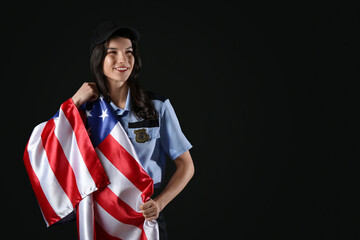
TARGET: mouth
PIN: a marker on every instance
(121, 69)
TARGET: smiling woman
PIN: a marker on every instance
(115, 64)
(125, 136)
(119, 61)
(121, 46)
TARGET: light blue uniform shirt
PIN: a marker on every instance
(165, 136)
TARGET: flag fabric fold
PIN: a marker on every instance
(84, 161)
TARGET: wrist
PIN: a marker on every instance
(160, 202)
(76, 101)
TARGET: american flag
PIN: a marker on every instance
(84, 161)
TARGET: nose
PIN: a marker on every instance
(121, 57)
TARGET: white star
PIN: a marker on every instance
(104, 114)
(88, 113)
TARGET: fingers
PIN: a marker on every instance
(146, 205)
(88, 91)
(150, 210)
(95, 91)
(151, 217)
(93, 86)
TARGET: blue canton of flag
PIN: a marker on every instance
(101, 119)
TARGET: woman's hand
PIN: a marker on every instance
(87, 92)
(184, 172)
(150, 210)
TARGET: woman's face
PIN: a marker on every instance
(119, 60)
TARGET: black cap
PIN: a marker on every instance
(104, 31)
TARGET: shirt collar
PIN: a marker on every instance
(120, 111)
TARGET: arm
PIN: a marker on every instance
(184, 172)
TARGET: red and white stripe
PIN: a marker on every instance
(117, 206)
(66, 172)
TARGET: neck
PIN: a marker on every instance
(118, 93)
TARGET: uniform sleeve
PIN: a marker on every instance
(173, 141)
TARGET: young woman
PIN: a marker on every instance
(148, 119)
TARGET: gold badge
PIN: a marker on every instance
(141, 135)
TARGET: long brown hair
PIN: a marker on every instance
(140, 103)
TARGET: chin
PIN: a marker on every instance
(117, 79)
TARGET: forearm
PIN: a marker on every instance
(183, 174)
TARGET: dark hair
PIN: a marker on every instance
(140, 102)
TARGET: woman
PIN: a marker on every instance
(149, 120)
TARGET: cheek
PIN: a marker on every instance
(132, 62)
(107, 64)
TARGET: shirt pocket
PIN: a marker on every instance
(143, 135)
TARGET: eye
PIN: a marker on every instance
(130, 51)
(111, 52)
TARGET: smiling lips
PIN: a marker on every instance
(121, 69)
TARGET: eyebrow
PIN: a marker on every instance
(112, 48)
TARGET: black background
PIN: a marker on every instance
(267, 93)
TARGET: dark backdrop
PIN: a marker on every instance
(267, 93)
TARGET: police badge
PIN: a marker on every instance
(141, 136)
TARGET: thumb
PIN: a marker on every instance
(145, 205)
(141, 207)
